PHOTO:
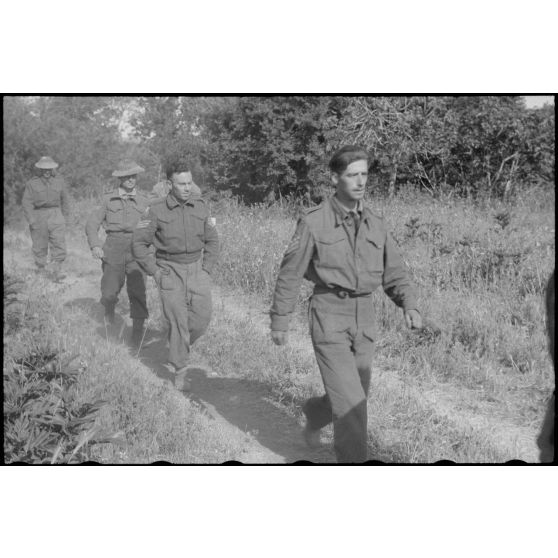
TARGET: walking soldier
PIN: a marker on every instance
(346, 251)
(46, 205)
(186, 250)
(119, 213)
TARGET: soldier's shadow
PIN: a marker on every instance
(119, 332)
(246, 404)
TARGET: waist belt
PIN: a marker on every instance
(47, 207)
(341, 293)
(178, 258)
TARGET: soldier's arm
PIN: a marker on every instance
(142, 240)
(211, 248)
(395, 281)
(293, 267)
(27, 203)
(92, 226)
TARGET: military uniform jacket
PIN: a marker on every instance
(180, 233)
(45, 193)
(324, 250)
(116, 215)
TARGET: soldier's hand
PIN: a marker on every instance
(413, 319)
(279, 337)
(97, 252)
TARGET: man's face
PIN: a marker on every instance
(351, 183)
(181, 185)
(47, 173)
(128, 182)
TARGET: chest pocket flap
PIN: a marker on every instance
(330, 237)
(376, 237)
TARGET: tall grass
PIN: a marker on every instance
(480, 270)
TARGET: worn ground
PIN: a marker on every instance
(247, 407)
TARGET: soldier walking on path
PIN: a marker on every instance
(119, 213)
(46, 205)
(186, 250)
(346, 251)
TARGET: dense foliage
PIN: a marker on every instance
(264, 148)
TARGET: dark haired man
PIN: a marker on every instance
(347, 252)
(46, 205)
(119, 213)
(186, 250)
(173, 163)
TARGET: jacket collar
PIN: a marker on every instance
(341, 213)
(172, 202)
(125, 194)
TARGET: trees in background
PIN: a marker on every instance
(264, 148)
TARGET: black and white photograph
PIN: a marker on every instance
(279, 279)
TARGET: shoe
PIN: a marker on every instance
(312, 437)
(181, 383)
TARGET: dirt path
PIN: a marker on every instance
(271, 435)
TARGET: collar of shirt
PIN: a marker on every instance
(172, 202)
(344, 213)
(125, 194)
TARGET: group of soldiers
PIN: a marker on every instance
(341, 246)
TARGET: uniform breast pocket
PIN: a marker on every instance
(197, 236)
(373, 251)
(115, 215)
(333, 247)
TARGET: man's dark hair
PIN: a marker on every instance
(176, 164)
(343, 157)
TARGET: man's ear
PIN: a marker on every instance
(334, 178)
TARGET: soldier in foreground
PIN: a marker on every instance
(186, 250)
(119, 213)
(46, 205)
(346, 251)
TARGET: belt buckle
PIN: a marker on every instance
(342, 294)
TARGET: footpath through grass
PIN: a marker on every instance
(480, 269)
(147, 419)
(470, 388)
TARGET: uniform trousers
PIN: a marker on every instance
(119, 267)
(343, 334)
(186, 298)
(48, 228)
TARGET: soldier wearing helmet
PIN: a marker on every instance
(119, 213)
(46, 205)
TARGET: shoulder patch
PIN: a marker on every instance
(312, 209)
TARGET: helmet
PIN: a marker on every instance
(127, 168)
(46, 163)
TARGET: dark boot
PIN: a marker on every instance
(137, 333)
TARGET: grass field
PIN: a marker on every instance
(480, 269)
(471, 388)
